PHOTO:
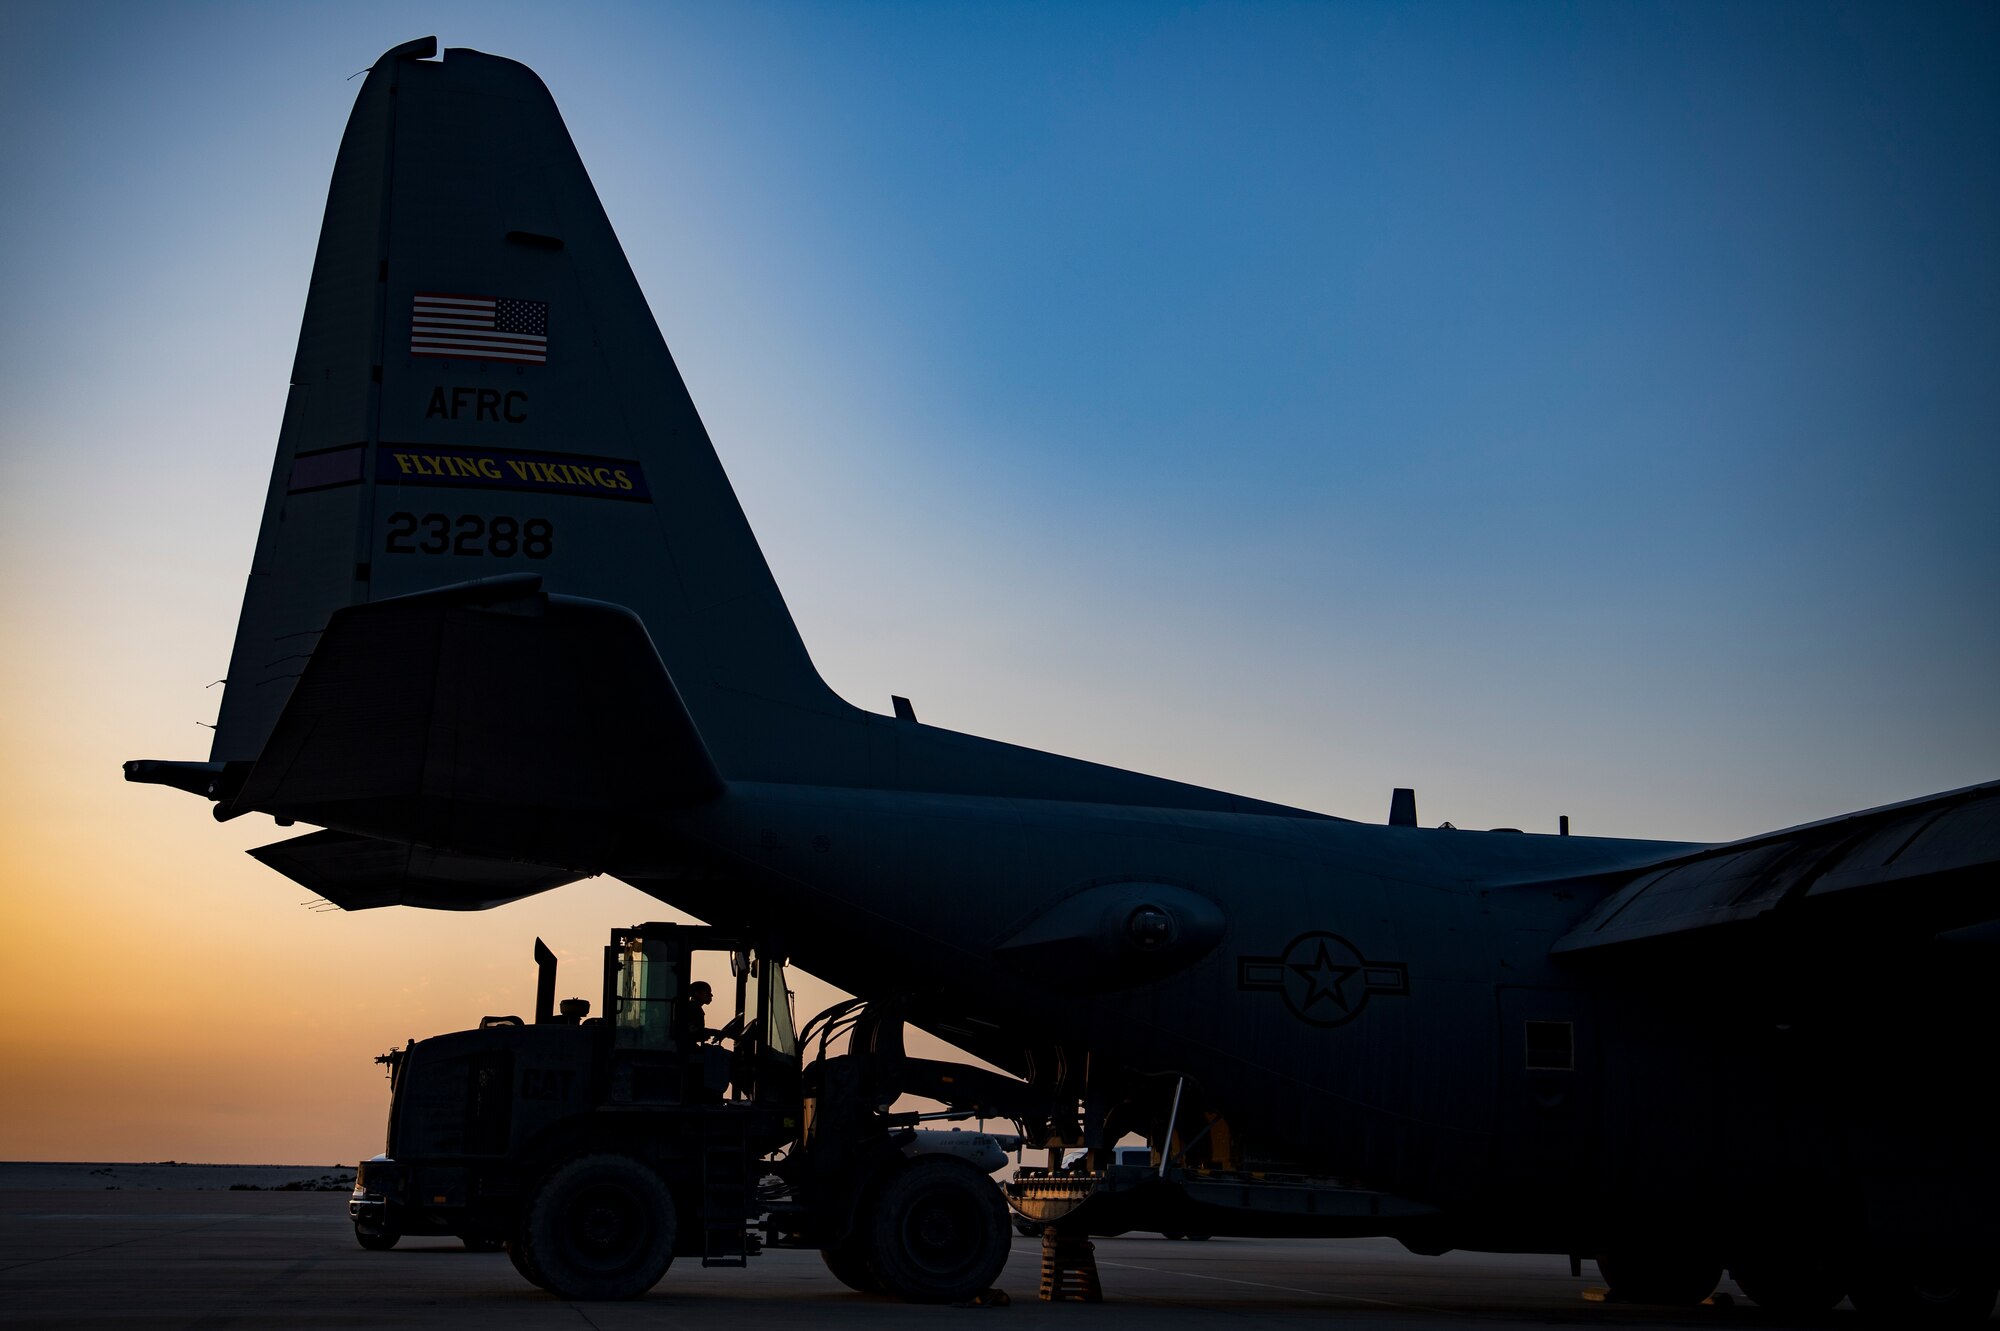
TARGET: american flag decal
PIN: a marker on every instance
(479, 328)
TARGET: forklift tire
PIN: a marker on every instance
(1664, 1277)
(600, 1227)
(849, 1264)
(939, 1231)
(517, 1253)
(376, 1240)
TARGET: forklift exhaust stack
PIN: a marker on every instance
(545, 984)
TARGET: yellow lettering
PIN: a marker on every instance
(602, 477)
(624, 481)
(403, 463)
(520, 469)
(489, 469)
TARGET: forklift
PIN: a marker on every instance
(596, 1150)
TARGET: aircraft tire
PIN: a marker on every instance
(376, 1240)
(938, 1231)
(1666, 1278)
(1941, 1291)
(1794, 1284)
(851, 1267)
(600, 1227)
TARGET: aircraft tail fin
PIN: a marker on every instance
(491, 719)
(480, 387)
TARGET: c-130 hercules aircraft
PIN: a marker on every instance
(1764, 1055)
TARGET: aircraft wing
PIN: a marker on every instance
(361, 873)
(1925, 866)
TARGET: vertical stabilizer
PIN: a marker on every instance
(480, 388)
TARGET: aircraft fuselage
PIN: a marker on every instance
(1378, 1003)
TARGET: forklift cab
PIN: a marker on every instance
(668, 1045)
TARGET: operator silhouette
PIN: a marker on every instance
(693, 1019)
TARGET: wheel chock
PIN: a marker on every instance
(1069, 1269)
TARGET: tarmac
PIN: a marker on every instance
(205, 1259)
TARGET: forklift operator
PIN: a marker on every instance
(692, 1020)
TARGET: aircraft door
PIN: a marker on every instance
(1547, 1133)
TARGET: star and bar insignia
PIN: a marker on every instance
(1323, 978)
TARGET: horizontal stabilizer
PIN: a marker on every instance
(491, 719)
(211, 780)
(361, 873)
(1921, 867)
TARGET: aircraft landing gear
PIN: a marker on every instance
(1661, 1276)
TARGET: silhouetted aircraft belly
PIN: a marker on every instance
(506, 626)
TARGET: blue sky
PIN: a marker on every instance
(1586, 409)
(1581, 406)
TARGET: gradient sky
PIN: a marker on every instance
(1587, 409)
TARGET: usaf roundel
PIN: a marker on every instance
(1323, 978)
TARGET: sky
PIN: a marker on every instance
(1560, 409)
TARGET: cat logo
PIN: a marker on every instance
(546, 1083)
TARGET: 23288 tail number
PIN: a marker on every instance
(470, 534)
